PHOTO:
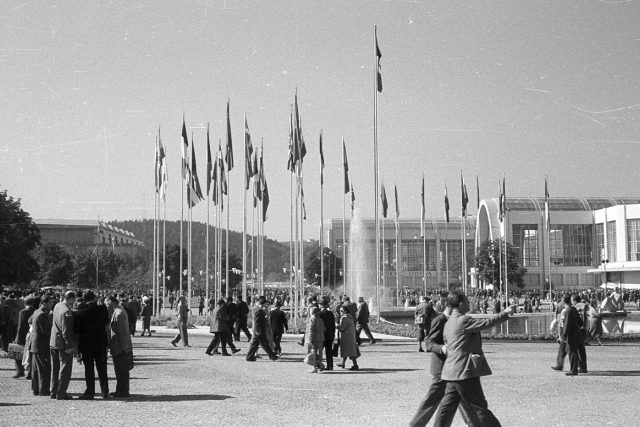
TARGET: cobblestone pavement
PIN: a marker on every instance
(183, 386)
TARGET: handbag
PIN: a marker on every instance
(419, 319)
(310, 359)
(15, 352)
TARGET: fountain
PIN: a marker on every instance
(361, 278)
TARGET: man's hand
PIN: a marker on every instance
(444, 350)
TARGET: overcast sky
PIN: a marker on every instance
(522, 89)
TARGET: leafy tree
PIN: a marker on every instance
(173, 266)
(56, 265)
(487, 263)
(19, 236)
(332, 265)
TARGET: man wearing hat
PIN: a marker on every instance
(183, 316)
(64, 344)
(279, 324)
(120, 346)
(259, 337)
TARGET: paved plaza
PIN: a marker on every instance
(183, 386)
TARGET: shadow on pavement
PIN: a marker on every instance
(368, 371)
(174, 398)
(612, 374)
(13, 404)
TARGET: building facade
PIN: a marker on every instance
(567, 250)
(78, 236)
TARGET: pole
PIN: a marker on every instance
(321, 229)
(226, 247)
(292, 304)
(244, 214)
(376, 170)
(206, 279)
(164, 252)
(446, 252)
(181, 226)
(398, 262)
(155, 242)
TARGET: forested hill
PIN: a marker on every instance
(276, 254)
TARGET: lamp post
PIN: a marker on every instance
(606, 280)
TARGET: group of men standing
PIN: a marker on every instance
(81, 328)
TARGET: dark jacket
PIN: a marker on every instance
(219, 319)
(425, 309)
(571, 327)
(232, 313)
(362, 315)
(41, 332)
(278, 319)
(329, 320)
(23, 324)
(259, 322)
(242, 310)
(435, 341)
(91, 326)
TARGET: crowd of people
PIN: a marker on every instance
(52, 330)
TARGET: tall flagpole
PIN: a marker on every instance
(206, 279)
(164, 252)
(376, 170)
(155, 242)
(292, 297)
(182, 218)
(244, 215)
(321, 219)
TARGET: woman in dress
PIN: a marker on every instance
(348, 346)
(595, 321)
(314, 337)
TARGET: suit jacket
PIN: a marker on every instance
(91, 326)
(435, 341)
(120, 342)
(362, 315)
(23, 324)
(329, 320)
(315, 331)
(571, 328)
(259, 322)
(278, 320)
(219, 320)
(41, 333)
(465, 358)
(62, 335)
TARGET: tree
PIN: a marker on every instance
(332, 265)
(19, 236)
(487, 263)
(56, 265)
(173, 272)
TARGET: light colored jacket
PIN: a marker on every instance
(120, 342)
(348, 346)
(465, 358)
(315, 331)
(62, 335)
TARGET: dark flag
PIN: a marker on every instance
(503, 201)
(304, 207)
(446, 203)
(477, 193)
(185, 150)
(157, 168)
(260, 178)
(345, 164)
(299, 147)
(265, 200)
(290, 163)
(163, 168)
(248, 151)
(379, 70)
(321, 161)
(195, 190)
(214, 176)
(209, 164)
(229, 154)
(397, 208)
(546, 203)
(385, 203)
(223, 173)
(465, 197)
(353, 198)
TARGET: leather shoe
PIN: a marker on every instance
(208, 354)
(173, 343)
(215, 352)
(235, 350)
(571, 374)
(251, 359)
(226, 354)
(118, 395)
(421, 350)
(582, 371)
(106, 396)
(555, 368)
(19, 375)
(85, 397)
(274, 358)
(354, 368)
(64, 397)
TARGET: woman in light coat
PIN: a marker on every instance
(348, 345)
(314, 337)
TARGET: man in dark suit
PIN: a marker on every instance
(23, 329)
(424, 313)
(279, 324)
(119, 345)
(242, 313)
(362, 321)
(259, 338)
(40, 350)
(64, 344)
(465, 362)
(329, 320)
(91, 326)
(571, 335)
(232, 313)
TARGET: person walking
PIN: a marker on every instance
(424, 313)
(259, 337)
(90, 324)
(329, 320)
(147, 312)
(595, 321)
(220, 330)
(362, 321)
(64, 344)
(279, 324)
(571, 336)
(182, 310)
(243, 314)
(120, 346)
(40, 351)
(314, 337)
(348, 344)
(21, 335)
(465, 362)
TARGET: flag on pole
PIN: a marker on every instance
(223, 173)
(465, 197)
(290, 163)
(379, 70)
(503, 201)
(477, 193)
(214, 188)
(248, 151)
(304, 207)
(385, 203)
(321, 161)
(163, 168)
(256, 175)
(195, 192)
(353, 198)
(397, 208)
(446, 203)
(265, 200)
(422, 212)
(229, 154)
(185, 149)
(209, 164)
(299, 147)
(157, 167)
(546, 203)
(345, 167)
(260, 178)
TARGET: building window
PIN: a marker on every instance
(525, 241)
(600, 242)
(411, 255)
(570, 244)
(633, 242)
(611, 241)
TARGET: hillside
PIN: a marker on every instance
(276, 254)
